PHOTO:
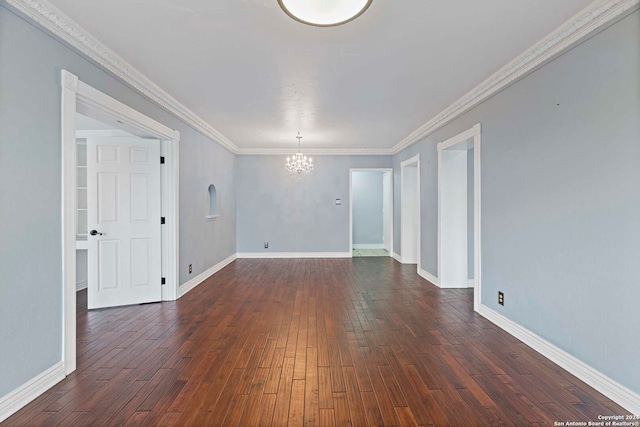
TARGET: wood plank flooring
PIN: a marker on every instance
(315, 342)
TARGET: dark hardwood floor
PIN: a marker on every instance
(359, 342)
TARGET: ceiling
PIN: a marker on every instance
(258, 77)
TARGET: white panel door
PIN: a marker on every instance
(123, 219)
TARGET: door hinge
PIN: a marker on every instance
(163, 281)
(162, 160)
(162, 220)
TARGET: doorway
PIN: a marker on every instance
(79, 97)
(370, 212)
(87, 128)
(459, 212)
(118, 228)
(410, 211)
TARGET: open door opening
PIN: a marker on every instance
(146, 197)
(118, 216)
(459, 212)
(370, 212)
(410, 211)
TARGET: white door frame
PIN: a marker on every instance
(475, 133)
(383, 170)
(410, 161)
(76, 93)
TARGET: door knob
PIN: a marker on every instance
(95, 232)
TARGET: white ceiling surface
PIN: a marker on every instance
(259, 77)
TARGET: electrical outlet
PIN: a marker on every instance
(500, 298)
(190, 268)
(266, 245)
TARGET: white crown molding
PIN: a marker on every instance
(596, 15)
(55, 21)
(316, 151)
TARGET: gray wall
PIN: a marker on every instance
(296, 216)
(205, 243)
(367, 207)
(560, 204)
(30, 254)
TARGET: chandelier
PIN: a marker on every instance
(324, 13)
(299, 165)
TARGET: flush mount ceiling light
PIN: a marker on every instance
(324, 13)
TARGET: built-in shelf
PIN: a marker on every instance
(81, 173)
(82, 243)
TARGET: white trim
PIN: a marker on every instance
(396, 257)
(316, 151)
(474, 132)
(582, 25)
(350, 240)
(413, 159)
(170, 176)
(15, 400)
(463, 285)
(428, 277)
(615, 391)
(469, 133)
(477, 223)
(274, 255)
(403, 164)
(81, 285)
(596, 15)
(471, 283)
(187, 286)
(52, 19)
(77, 94)
(70, 85)
(368, 246)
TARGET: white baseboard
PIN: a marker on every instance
(471, 283)
(615, 391)
(294, 254)
(396, 257)
(186, 287)
(81, 285)
(428, 276)
(463, 285)
(21, 396)
(368, 246)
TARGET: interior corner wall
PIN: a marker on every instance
(366, 195)
(560, 204)
(296, 216)
(30, 193)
